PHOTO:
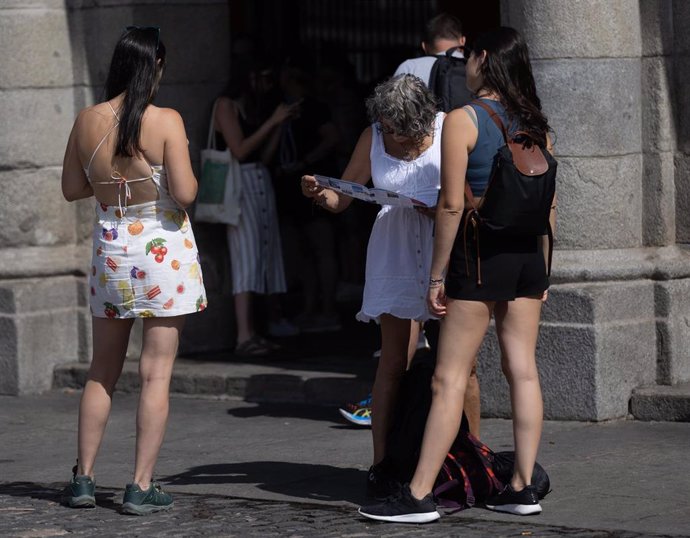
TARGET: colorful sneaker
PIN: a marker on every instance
(80, 493)
(358, 413)
(403, 508)
(140, 503)
(521, 503)
(359, 417)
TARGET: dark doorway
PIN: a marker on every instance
(375, 35)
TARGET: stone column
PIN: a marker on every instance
(55, 58)
(42, 303)
(611, 322)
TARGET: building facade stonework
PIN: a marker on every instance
(609, 74)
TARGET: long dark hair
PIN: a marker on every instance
(507, 72)
(135, 69)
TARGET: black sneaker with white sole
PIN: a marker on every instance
(521, 503)
(403, 508)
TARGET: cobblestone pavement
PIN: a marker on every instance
(243, 469)
(32, 511)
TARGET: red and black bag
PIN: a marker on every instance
(467, 476)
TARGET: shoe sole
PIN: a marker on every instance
(516, 509)
(144, 509)
(83, 501)
(426, 517)
(347, 416)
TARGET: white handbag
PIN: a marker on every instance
(220, 187)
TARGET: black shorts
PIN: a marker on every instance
(510, 266)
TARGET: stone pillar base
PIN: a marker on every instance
(622, 328)
(44, 322)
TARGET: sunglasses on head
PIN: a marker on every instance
(152, 28)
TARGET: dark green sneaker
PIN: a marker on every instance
(140, 503)
(80, 491)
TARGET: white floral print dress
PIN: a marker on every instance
(145, 261)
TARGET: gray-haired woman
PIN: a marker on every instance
(401, 152)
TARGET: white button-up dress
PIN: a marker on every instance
(401, 241)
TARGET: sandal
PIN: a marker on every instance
(254, 347)
(270, 345)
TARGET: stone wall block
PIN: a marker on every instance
(33, 211)
(26, 296)
(84, 322)
(599, 202)
(40, 330)
(566, 359)
(9, 363)
(592, 104)
(36, 125)
(47, 338)
(36, 48)
(682, 197)
(656, 27)
(658, 127)
(629, 300)
(674, 324)
(568, 304)
(659, 199)
(557, 28)
(625, 361)
(682, 97)
(681, 36)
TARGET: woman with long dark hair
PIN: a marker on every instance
(133, 157)
(512, 287)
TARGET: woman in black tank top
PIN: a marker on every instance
(512, 287)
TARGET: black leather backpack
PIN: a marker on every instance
(520, 191)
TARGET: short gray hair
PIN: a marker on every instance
(407, 104)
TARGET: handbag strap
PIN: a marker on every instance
(211, 140)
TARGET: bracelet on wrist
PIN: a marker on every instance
(436, 282)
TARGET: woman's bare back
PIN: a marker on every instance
(104, 170)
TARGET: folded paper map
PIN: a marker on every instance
(373, 195)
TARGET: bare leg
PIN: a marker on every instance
(462, 332)
(110, 339)
(394, 339)
(161, 337)
(472, 403)
(243, 316)
(415, 329)
(517, 326)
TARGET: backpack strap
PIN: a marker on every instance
(549, 232)
(494, 116)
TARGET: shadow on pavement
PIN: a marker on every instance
(309, 412)
(303, 480)
(52, 493)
